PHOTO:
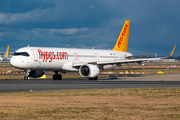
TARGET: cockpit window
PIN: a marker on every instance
(21, 53)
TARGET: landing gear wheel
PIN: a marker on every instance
(90, 79)
(27, 74)
(26, 78)
(59, 77)
(96, 78)
(55, 77)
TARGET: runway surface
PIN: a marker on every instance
(144, 81)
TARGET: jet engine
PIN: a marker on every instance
(89, 71)
(36, 73)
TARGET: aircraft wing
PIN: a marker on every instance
(124, 61)
(134, 60)
(117, 61)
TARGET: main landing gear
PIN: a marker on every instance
(57, 76)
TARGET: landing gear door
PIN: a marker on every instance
(35, 54)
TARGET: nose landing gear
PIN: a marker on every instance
(26, 78)
(27, 74)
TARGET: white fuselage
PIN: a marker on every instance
(61, 59)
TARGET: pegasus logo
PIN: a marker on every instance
(122, 35)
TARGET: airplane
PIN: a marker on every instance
(6, 56)
(88, 62)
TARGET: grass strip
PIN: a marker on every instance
(145, 103)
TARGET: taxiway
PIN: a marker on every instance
(144, 81)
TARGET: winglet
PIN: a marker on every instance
(170, 54)
(172, 51)
(7, 51)
(122, 41)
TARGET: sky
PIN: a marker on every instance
(155, 24)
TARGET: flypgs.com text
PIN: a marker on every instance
(52, 56)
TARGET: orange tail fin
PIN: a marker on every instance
(7, 51)
(122, 42)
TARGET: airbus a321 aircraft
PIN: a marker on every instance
(89, 62)
(6, 56)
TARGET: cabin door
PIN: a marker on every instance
(35, 54)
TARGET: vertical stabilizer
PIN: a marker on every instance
(122, 42)
(7, 51)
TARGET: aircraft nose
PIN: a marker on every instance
(13, 62)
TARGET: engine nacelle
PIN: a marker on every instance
(36, 73)
(89, 71)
